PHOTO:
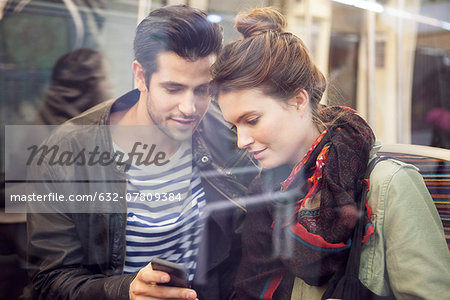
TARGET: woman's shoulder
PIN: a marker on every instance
(393, 182)
(392, 171)
(388, 169)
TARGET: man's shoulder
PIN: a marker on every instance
(99, 114)
(215, 139)
(91, 120)
(96, 115)
(215, 150)
(81, 126)
(214, 131)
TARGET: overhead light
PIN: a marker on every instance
(367, 5)
(378, 8)
(214, 18)
(418, 18)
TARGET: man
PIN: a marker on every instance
(105, 255)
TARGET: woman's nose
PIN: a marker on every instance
(244, 138)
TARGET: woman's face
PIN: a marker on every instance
(275, 132)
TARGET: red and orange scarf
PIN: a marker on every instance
(334, 166)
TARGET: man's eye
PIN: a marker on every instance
(173, 90)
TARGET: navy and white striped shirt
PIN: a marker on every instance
(165, 204)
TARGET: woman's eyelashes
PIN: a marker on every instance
(253, 121)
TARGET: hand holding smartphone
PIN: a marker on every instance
(177, 272)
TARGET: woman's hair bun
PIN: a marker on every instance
(260, 20)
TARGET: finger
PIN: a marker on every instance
(163, 292)
(148, 275)
(169, 292)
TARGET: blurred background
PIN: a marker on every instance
(388, 59)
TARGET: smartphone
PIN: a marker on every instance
(178, 273)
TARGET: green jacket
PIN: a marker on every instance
(408, 256)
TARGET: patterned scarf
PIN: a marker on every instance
(284, 239)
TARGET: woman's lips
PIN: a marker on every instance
(258, 154)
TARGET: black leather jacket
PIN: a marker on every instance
(81, 255)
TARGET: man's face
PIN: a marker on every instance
(178, 96)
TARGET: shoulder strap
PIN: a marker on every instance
(372, 164)
(355, 250)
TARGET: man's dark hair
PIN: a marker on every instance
(180, 29)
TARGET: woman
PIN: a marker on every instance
(269, 89)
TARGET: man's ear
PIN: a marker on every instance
(139, 76)
(301, 101)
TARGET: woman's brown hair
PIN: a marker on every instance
(269, 58)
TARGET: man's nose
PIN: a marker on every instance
(187, 105)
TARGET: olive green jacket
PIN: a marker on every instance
(407, 256)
